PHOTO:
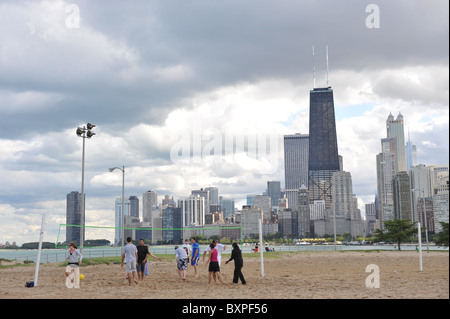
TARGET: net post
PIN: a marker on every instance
(419, 237)
(263, 274)
(38, 261)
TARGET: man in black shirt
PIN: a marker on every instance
(143, 254)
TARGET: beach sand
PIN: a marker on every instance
(299, 275)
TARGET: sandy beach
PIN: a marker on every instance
(318, 275)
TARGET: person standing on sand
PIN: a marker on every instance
(73, 266)
(130, 255)
(236, 255)
(195, 255)
(142, 255)
(220, 248)
(181, 258)
(188, 251)
(214, 268)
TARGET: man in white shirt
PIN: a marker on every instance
(189, 253)
(220, 248)
(182, 261)
(129, 254)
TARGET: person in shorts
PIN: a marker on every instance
(142, 255)
(195, 255)
(130, 255)
(182, 261)
(188, 249)
(214, 268)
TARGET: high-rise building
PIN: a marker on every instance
(345, 205)
(274, 192)
(304, 218)
(134, 206)
(401, 185)
(342, 191)
(288, 223)
(424, 207)
(249, 219)
(119, 241)
(193, 210)
(149, 200)
(251, 199)
(168, 201)
(227, 206)
(73, 217)
(441, 202)
(172, 225)
(411, 154)
(421, 184)
(263, 202)
(205, 194)
(296, 150)
(371, 217)
(317, 210)
(436, 173)
(213, 195)
(395, 129)
(323, 150)
(370, 212)
(386, 170)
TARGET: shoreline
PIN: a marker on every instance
(289, 275)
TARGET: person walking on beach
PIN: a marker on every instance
(142, 255)
(130, 255)
(236, 255)
(220, 248)
(181, 258)
(214, 268)
(195, 255)
(75, 259)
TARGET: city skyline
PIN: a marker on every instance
(148, 78)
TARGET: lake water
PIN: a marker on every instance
(59, 255)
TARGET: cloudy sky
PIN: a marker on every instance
(155, 75)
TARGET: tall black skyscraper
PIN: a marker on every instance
(134, 206)
(73, 217)
(323, 151)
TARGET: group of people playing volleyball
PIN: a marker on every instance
(134, 258)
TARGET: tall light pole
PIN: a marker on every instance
(424, 214)
(83, 132)
(123, 199)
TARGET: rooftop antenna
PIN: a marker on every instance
(314, 68)
(327, 64)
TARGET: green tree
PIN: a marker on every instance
(347, 237)
(441, 239)
(397, 230)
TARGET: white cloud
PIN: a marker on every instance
(153, 77)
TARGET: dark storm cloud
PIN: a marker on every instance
(108, 71)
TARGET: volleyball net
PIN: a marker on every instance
(105, 236)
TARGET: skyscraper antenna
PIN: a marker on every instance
(314, 68)
(327, 64)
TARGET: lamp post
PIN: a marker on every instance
(123, 198)
(83, 132)
(424, 214)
